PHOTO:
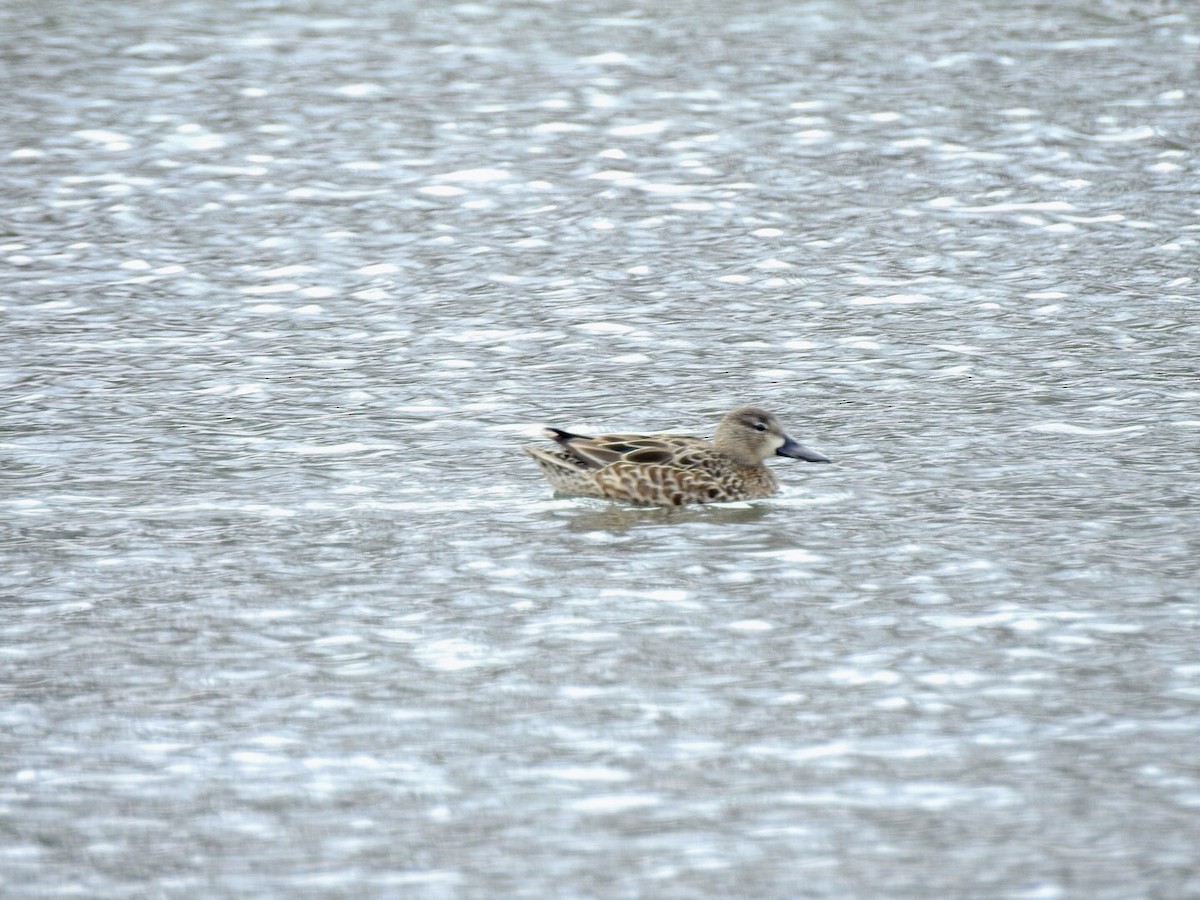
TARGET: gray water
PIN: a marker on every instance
(286, 611)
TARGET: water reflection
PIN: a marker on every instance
(599, 515)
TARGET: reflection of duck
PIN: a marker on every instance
(672, 469)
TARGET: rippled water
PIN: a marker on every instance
(284, 288)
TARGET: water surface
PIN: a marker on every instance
(288, 613)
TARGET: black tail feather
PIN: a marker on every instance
(561, 436)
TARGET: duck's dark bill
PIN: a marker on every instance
(796, 450)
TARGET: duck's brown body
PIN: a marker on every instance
(671, 469)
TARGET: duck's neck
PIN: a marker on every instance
(735, 450)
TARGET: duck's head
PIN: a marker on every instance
(749, 435)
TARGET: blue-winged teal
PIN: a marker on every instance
(672, 469)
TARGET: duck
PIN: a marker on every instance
(672, 469)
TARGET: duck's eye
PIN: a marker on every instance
(759, 426)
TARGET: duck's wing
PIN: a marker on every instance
(632, 449)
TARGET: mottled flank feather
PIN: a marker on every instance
(671, 469)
